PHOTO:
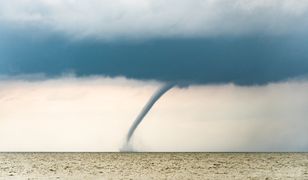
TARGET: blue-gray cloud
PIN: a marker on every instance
(245, 60)
(245, 42)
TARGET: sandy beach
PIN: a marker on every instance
(154, 166)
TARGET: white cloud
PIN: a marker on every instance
(94, 114)
(109, 19)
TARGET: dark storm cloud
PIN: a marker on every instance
(245, 42)
(246, 60)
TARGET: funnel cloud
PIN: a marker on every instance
(144, 112)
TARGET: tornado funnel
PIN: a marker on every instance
(161, 91)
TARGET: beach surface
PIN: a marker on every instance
(154, 166)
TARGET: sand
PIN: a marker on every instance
(153, 165)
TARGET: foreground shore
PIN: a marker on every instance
(153, 165)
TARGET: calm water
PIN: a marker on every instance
(154, 165)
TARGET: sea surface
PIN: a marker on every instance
(154, 166)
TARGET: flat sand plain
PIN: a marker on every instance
(154, 166)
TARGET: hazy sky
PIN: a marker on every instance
(74, 74)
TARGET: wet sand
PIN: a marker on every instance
(154, 166)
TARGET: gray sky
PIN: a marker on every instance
(74, 74)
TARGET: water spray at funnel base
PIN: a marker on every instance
(127, 146)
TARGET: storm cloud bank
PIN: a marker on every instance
(94, 114)
(244, 42)
(134, 19)
(245, 61)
